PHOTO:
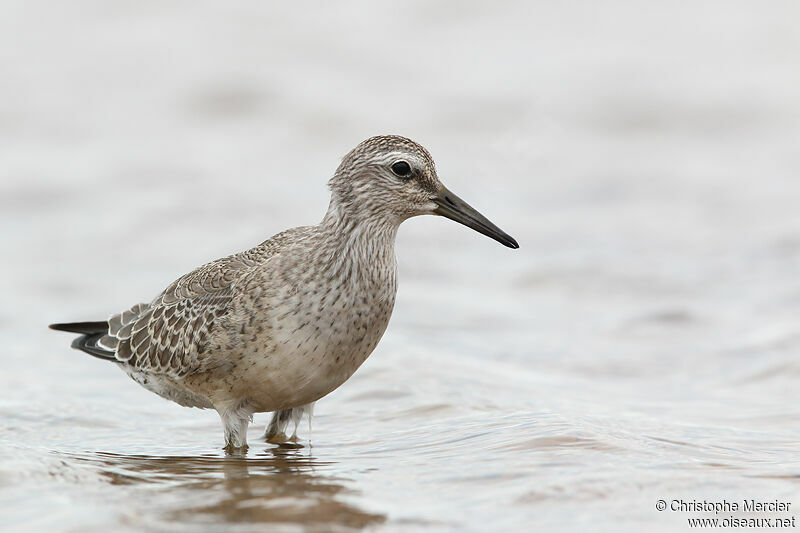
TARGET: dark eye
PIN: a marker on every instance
(402, 169)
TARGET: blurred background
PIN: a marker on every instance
(641, 344)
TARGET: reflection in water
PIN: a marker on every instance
(281, 485)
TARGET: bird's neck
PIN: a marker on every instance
(369, 227)
(361, 241)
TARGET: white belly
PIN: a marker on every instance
(167, 388)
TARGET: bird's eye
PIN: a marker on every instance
(402, 169)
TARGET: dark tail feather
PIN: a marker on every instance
(88, 344)
(90, 332)
(85, 328)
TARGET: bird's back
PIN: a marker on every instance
(171, 334)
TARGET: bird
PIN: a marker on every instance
(279, 326)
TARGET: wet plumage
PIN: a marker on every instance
(279, 326)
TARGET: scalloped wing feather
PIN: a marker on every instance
(171, 335)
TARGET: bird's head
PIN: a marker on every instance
(393, 178)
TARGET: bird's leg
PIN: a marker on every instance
(276, 430)
(234, 423)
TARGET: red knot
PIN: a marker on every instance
(279, 326)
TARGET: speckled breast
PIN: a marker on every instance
(319, 330)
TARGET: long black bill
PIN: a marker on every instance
(454, 208)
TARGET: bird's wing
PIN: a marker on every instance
(171, 334)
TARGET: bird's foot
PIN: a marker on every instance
(276, 438)
(235, 451)
(276, 430)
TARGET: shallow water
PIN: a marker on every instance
(641, 345)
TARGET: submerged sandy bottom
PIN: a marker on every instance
(641, 345)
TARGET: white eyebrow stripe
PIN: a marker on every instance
(394, 157)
